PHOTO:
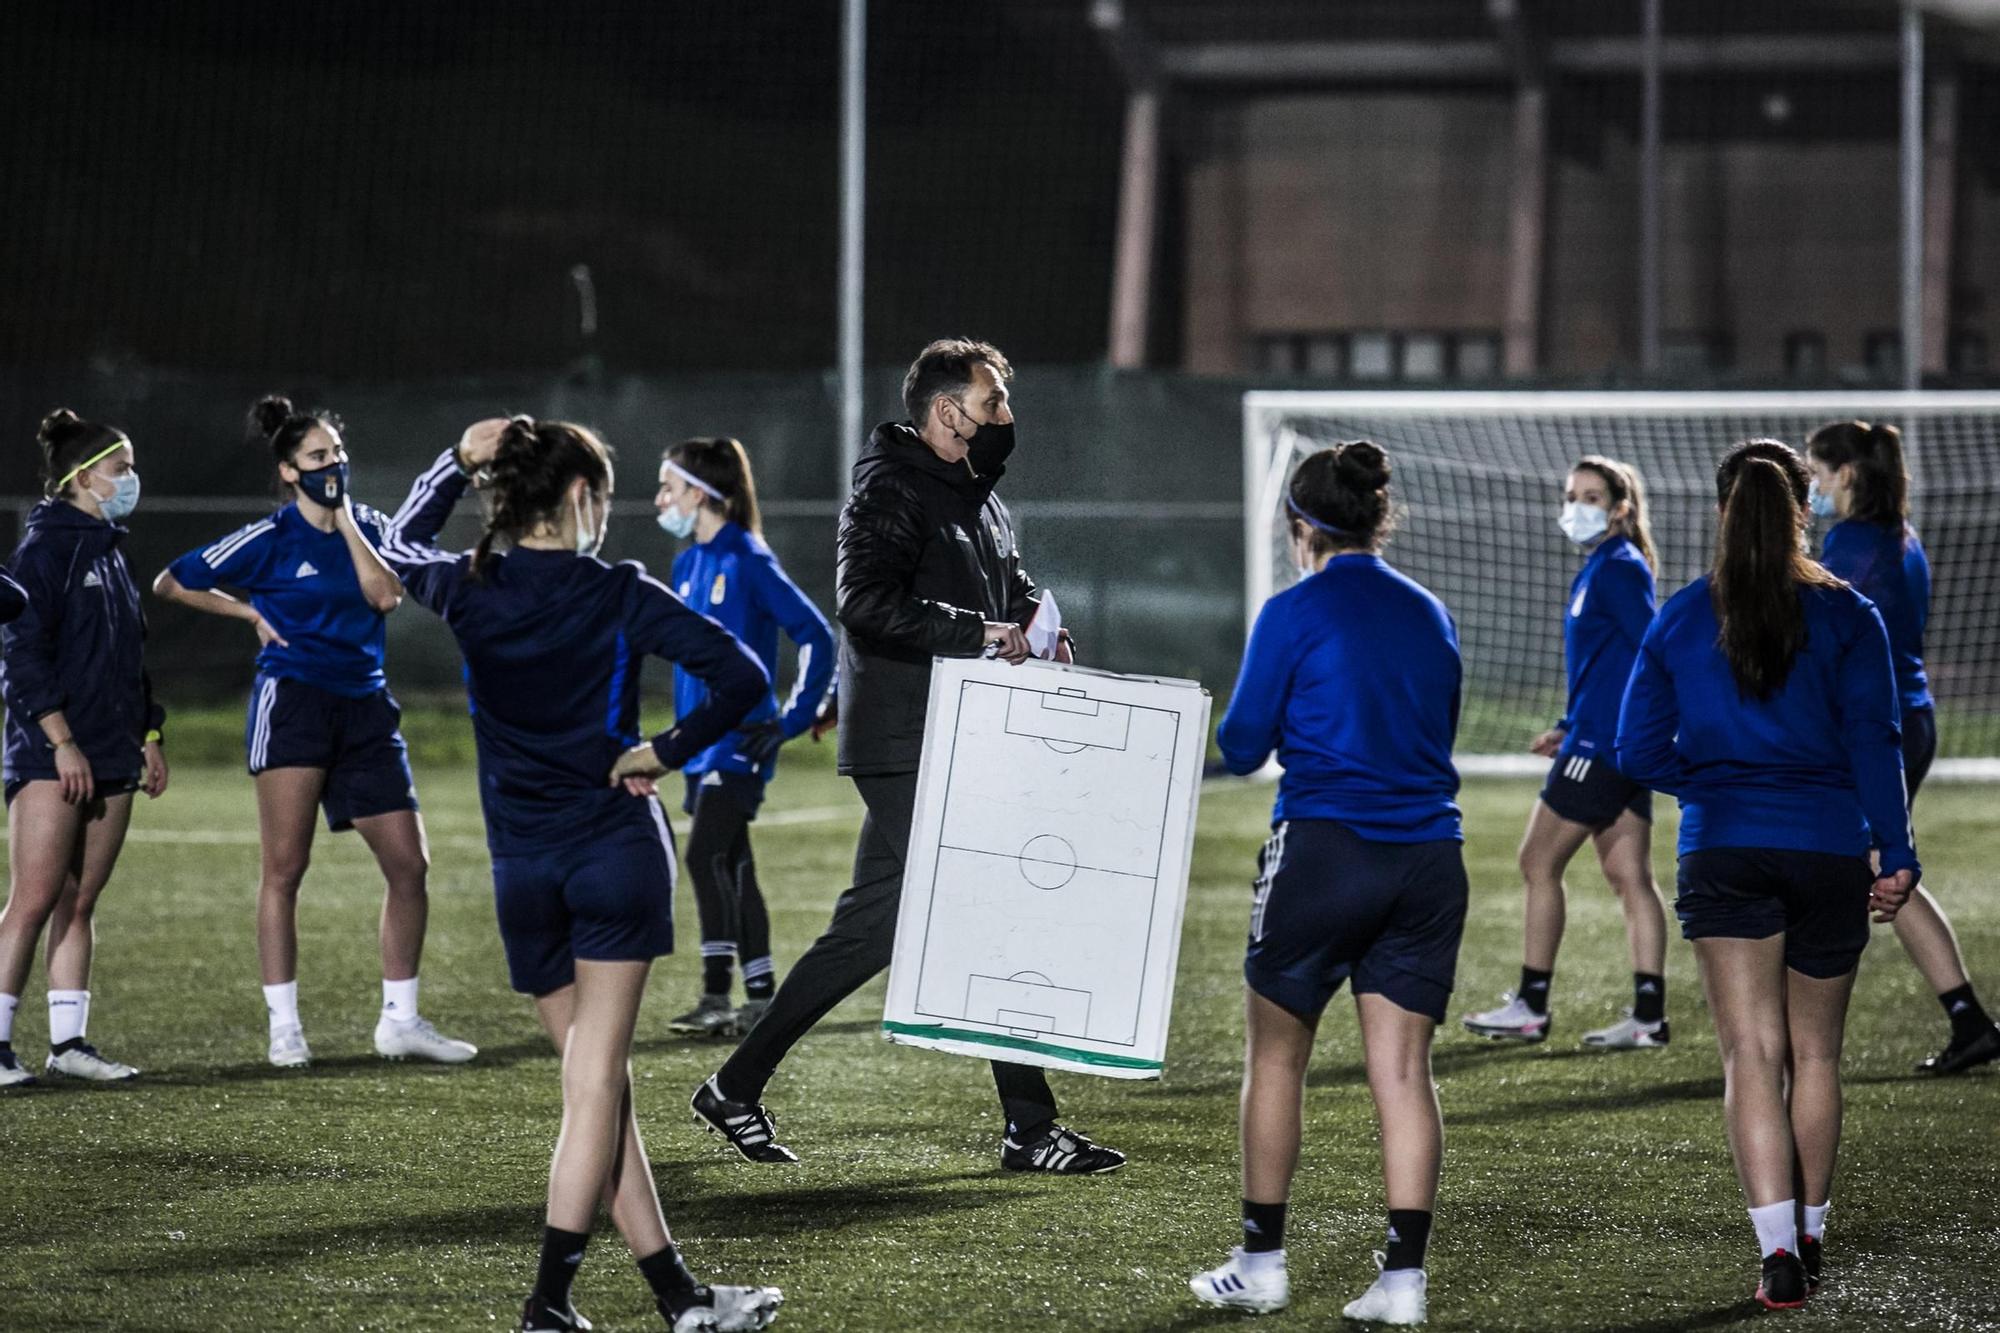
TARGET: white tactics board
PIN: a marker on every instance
(1048, 866)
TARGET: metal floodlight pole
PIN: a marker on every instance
(853, 187)
(1649, 188)
(1913, 196)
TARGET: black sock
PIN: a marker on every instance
(715, 971)
(1968, 1017)
(1025, 1134)
(1263, 1227)
(674, 1287)
(1409, 1234)
(57, 1048)
(760, 988)
(1534, 990)
(562, 1255)
(1649, 997)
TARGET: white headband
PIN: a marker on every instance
(692, 480)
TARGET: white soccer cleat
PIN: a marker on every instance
(82, 1061)
(1260, 1291)
(732, 1310)
(1628, 1034)
(1512, 1021)
(416, 1039)
(12, 1073)
(289, 1049)
(1398, 1297)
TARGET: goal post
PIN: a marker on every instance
(1477, 480)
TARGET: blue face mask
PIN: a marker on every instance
(1820, 502)
(676, 522)
(124, 498)
(326, 485)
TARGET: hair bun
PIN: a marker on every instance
(57, 423)
(1362, 463)
(270, 413)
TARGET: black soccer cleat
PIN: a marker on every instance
(1062, 1152)
(1959, 1056)
(1783, 1286)
(1810, 1255)
(538, 1316)
(748, 1127)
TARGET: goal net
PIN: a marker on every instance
(1478, 480)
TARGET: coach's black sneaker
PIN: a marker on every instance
(538, 1316)
(1783, 1286)
(1961, 1055)
(749, 1128)
(1810, 1250)
(1060, 1151)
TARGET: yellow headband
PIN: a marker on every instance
(90, 462)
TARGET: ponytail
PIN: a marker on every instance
(1881, 486)
(1622, 481)
(67, 443)
(532, 468)
(1760, 565)
(722, 465)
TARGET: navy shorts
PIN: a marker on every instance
(1585, 789)
(745, 789)
(1818, 899)
(1919, 747)
(101, 785)
(296, 725)
(607, 900)
(1331, 904)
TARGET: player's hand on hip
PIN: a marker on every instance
(638, 762)
(1549, 744)
(1890, 893)
(1006, 641)
(761, 741)
(266, 636)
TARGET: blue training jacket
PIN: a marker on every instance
(1817, 767)
(13, 597)
(1888, 566)
(1352, 675)
(304, 583)
(1610, 605)
(736, 580)
(553, 645)
(78, 647)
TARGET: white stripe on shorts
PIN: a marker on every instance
(1274, 856)
(666, 839)
(260, 731)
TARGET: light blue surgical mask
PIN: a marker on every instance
(1820, 502)
(676, 522)
(124, 498)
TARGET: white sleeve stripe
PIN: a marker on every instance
(799, 685)
(235, 542)
(426, 485)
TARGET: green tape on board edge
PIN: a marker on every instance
(939, 1033)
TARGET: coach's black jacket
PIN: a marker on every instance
(926, 557)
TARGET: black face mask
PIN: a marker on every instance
(988, 446)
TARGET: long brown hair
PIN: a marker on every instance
(724, 465)
(1622, 480)
(530, 474)
(1881, 483)
(1761, 564)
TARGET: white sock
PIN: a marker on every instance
(69, 1014)
(1816, 1219)
(399, 999)
(8, 1004)
(1395, 1279)
(282, 1003)
(1777, 1227)
(1262, 1261)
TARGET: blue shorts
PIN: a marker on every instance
(1331, 904)
(1818, 899)
(1585, 789)
(607, 900)
(1919, 747)
(296, 725)
(745, 789)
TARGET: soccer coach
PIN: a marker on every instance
(928, 567)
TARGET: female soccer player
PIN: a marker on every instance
(1859, 479)
(582, 859)
(83, 731)
(322, 727)
(1764, 699)
(707, 492)
(1586, 797)
(1363, 875)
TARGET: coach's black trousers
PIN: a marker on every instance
(855, 947)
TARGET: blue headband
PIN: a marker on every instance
(1342, 533)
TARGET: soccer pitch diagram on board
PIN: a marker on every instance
(1048, 866)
